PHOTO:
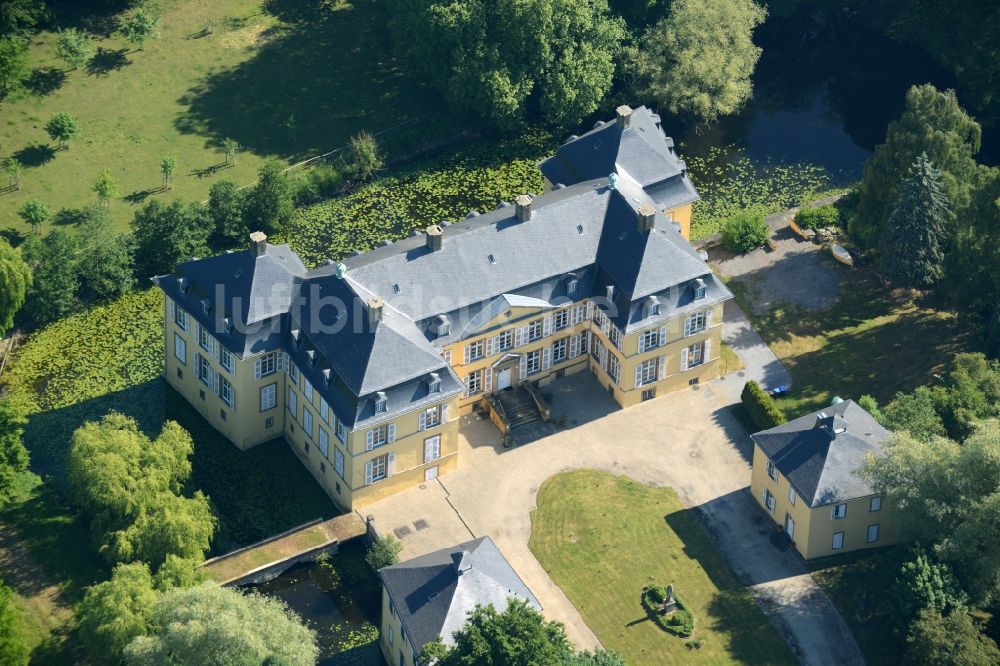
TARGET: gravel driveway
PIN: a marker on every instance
(687, 440)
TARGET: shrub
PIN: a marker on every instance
(814, 218)
(679, 623)
(744, 232)
(760, 406)
(384, 552)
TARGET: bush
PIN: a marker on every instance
(679, 623)
(760, 406)
(384, 552)
(744, 232)
(815, 218)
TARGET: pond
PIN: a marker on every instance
(340, 599)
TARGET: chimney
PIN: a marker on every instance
(375, 305)
(258, 243)
(647, 217)
(434, 238)
(624, 116)
(523, 207)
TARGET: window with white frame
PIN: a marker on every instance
(649, 340)
(572, 286)
(432, 448)
(474, 351)
(769, 500)
(307, 390)
(338, 462)
(324, 442)
(205, 373)
(181, 318)
(873, 533)
(226, 392)
(560, 320)
(204, 339)
(696, 354)
(381, 402)
(434, 385)
(772, 471)
(696, 323)
(535, 330)
(293, 403)
(699, 292)
(378, 435)
(227, 360)
(615, 336)
(504, 341)
(839, 511)
(578, 314)
(430, 418)
(341, 431)
(614, 368)
(293, 373)
(180, 349)
(534, 361)
(268, 397)
(446, 355)
(307, 421)
(559, 350)
(645, 372)
(324, 410)
(875, 504)
(266, 365)
(791, 495)
(379, 469)
(838, 540)
(474, 382)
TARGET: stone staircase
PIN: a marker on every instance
(526, 424)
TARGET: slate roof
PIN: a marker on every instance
(433, 593)
(819, 453)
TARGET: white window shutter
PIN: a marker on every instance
(546, 358)
(706, 352)
(444, 413)
(491, 345)
(547, 327)
(368, 473)
(523, 369)
(215, 382)
(574, 346)
(283, 361)
(708, 319)
(369, 440)
(487, 379)
(590, 310)
(638, 375)
(661, 366)
(390, 467)
(520, 336)
(256, 369)
(422, 421)
(172, 309)
(684, 359)
(392, 432)
(468, 354)
(465, 393)
(663, 336)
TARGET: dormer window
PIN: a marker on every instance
(652, 306)
(441, 325)
(434, 383)
(699, 289)
(572, 286)
(381, 402)
(206, 305)
(228, 324)
(182, 284)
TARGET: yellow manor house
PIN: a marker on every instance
(365, 366)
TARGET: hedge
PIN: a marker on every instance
(816, 218)
(744, 232)
(761, 407)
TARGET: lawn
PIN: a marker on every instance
(291, 82)
(602, 538)
(872, 340)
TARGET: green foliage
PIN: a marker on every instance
(595, 658)
(13, 651)
(954, 640)
(679, 623)
(476, 177)
(19, 17)
(870, 405)
(932, 123)
(106, 187)
(14, 169)
(15, 280)
(36, 213)
(698, 60)
(973, 283)
(947, 496)
(55, 282)
(105, 260)
(506, 58)
(167, 167)
(62, 127)
(115, 612)
(915, 413)
(129, 487)
(244, 629)
(231, 146)
(972, 393)
(13, 63)
(517, 635)
(226, 205)
(922, 583)
(745, 232)
(269, 204)
(140, 26)
(730, 182)
(384, 552)
(73, 47)
(760, 406)
(914, 236)
(366, 157)
(179, 572)
(816, 218)
(13, 455)
(166, 235)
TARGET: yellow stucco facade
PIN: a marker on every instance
(395, 644)
(854, 524)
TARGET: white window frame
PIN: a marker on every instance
(341, 431)
(536, 330)
(791, 495)
(560, 320)
(577, 314)
(560, 350)
(474, 382)
(875, 504)
(338, 461)
(293, 403)
(646, 372)
(293, 373)
(205, 340)
(696, 323)
(838, 511)
(181, 318)
(432, 449)
(614, 368)
(696, 355)
(503, 341)
(649, 340)
(266, 365)
(307, 421)
(769, 500)
(227, 360)
(379, 469)
(324, 442)
(204, 370)
(430, 418)
(874, 526)
(772, 471)
(837, 543)
(533, 361)
(474, 351)
(268, 397)
(307, 389)
(227, 392)
(180, 348)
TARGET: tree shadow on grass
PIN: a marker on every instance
(70, 216)
(105, 61)
(45, 80)
(255, 493)
(35, 155)
(139, 196)
(329, 67)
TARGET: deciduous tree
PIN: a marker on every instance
(698, 60)
(55, 282)
(13, 455)
(13, 63)
(954, 640)
(13, 649)
(62, 127)
(140, 26)
(166, 235)
(105, 263)
(35, 212)
(106, 188)
(14, 170)
(231, 146)
(116, 611)
(924, 583)
(15, 281)
(167, 168)
(915, 413)
(226, 208)
(73, 47)
(384, 552)
(269, 203)
(365, 155)
(244, 629)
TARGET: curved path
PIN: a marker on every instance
(686, 440)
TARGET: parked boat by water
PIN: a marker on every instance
(841, 254)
